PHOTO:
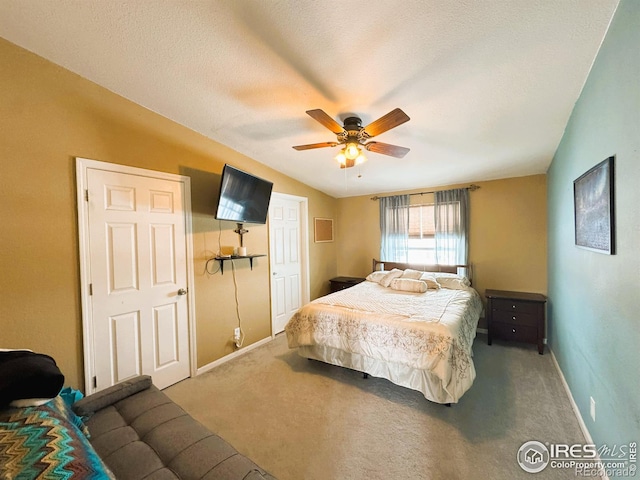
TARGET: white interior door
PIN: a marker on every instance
(137, 269)
(287, 259)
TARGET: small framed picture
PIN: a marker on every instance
(323, 230)
(593, 200)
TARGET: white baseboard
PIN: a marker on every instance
(233, 355)
(574, 406)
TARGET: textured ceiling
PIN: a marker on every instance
(489, 84)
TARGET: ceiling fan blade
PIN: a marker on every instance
(390, 120)
(315, 145)
(326, 120)
(386, 149)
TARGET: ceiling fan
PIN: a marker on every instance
(353, 136)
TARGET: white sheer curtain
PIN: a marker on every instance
(394, 228)
(452, 232)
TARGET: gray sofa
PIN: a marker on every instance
(139, 432)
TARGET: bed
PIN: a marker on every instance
(411, 324)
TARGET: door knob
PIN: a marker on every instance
(274, 273)
(182, 291)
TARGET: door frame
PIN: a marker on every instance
(82, 165)
(305, 289)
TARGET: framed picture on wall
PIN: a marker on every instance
(593, 200)
(323, 230)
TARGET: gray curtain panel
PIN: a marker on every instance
(452, 232)
(394, 228)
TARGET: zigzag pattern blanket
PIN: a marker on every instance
(48, 442)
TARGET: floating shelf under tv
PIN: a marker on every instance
(221, 260)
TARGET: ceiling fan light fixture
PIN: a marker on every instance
(351, 151)
(352, 136)
(341, 158)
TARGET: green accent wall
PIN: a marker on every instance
(594, 299)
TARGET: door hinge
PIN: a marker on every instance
(90, 289)
(86, 195)
(95, 382)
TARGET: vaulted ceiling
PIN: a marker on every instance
(488, 84)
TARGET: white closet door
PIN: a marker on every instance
(138, 276)
(286, 262)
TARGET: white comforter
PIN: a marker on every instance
(430, 331)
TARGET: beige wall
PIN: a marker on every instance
(50, 116)
(508, 234)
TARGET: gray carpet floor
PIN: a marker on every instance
(306, 420)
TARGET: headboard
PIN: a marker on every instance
(382, 265)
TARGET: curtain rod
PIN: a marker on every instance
(471, 187)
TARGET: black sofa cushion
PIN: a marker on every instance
(28, 375)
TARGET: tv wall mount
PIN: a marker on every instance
(241, 231)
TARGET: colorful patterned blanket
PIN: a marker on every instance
(47, 442)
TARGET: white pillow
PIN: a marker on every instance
(451, 281)
(376, 276)
(430, 280)
(409, 285)
(454, 283)
(386, 280)
(413, 274)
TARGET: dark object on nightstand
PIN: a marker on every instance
(517, 316)
(340, 283)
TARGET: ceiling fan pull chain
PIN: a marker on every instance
(346, 181)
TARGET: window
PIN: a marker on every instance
(409, 234)
(422, 234)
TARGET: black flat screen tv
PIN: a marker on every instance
(243, 198)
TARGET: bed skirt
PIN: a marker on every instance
(421, 380)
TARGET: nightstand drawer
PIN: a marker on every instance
(515, 318)
(514, 306)
(516, 333)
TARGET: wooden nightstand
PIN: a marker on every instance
(340, 283)
(517, 316)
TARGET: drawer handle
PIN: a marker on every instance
(513, 318)
(513, 330)
(513, 306)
